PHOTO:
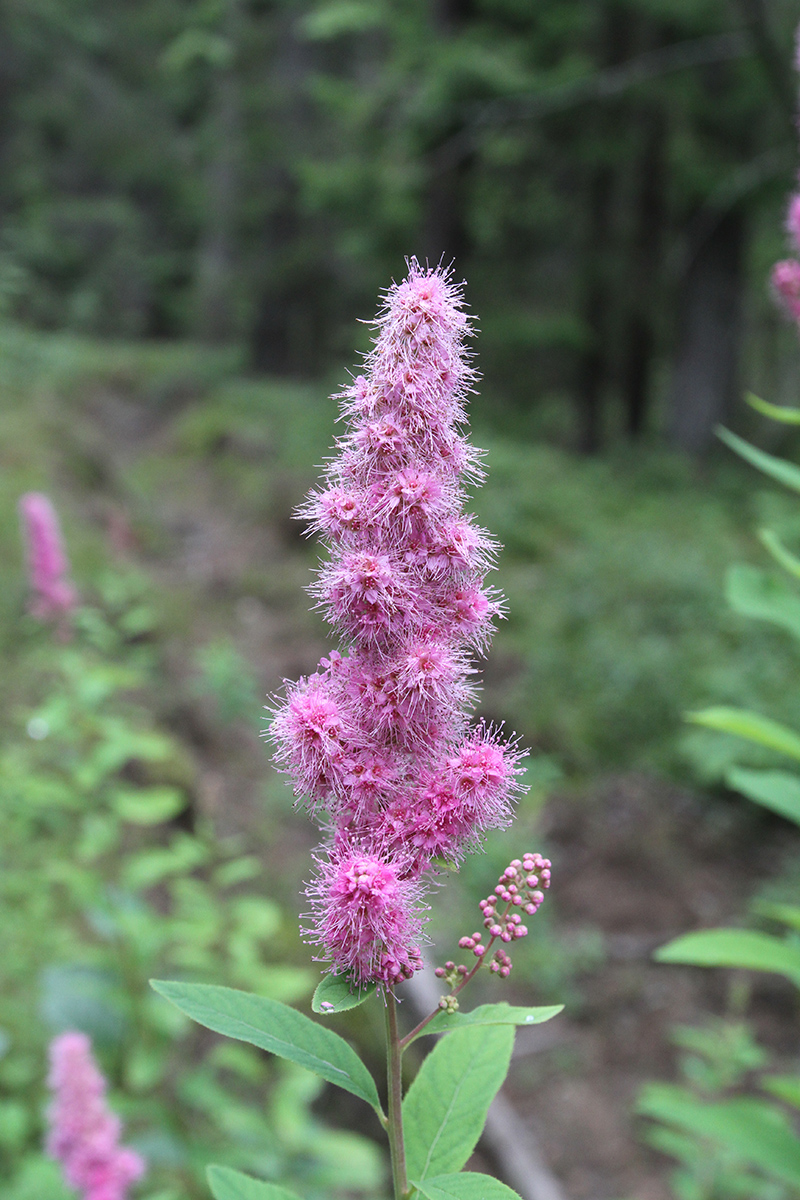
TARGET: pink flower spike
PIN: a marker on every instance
(786, 284)
(84, 1133)
(793, 221)
(379, 740)
(53, 596)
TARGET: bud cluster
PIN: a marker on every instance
(520, 887)
(377, 741)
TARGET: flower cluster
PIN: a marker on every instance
(84, 1134)
(521, 886)
(53, 596)
(785, 276)
(377, 741)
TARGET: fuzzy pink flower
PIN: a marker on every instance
(793, 221)
(53, 596)
(379, 739)
(84, 1133)
(367, 917)
(785, 281)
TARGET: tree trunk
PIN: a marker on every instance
(639, 335)
(593, 366)
(215, 303)
(707, 353)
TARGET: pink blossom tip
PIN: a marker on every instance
(84, 1133)
(53, 596)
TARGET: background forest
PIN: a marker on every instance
(198, 203)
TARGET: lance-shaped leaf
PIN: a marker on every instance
(777, 468)
(750, 726)
(445, 1109)
(778, 791)
(489, 1014)
(467, 1185)
(777, 412)
(275, 1027)
(754, 593)
(336, 994)
(734, 948)
(785, 1087)
(773, 543)
(753, 1131)
(784, 914)
(227, 1184)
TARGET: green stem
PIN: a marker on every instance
(395, 1082)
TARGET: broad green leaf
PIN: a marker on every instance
(754, 593)
(785, 1087)
(734, 948)
(750, 726)
(149, 806)
(779, 552)
(336, 994)
(227, 1184)
(753, 1130)
(789, 416)
(777, 468)
(275, 1027)
(786, 914)
(490, 1014)
(778, 791)
(445, 1109)
(467, 1185)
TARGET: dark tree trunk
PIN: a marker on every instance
(216, 259)
(593, 366)
(444, 232)
(707, 352)
(445, 236)
(639, 335)
(293, 292)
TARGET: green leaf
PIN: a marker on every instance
(750, 726)
(734, 948)
(149, 806)
(789, 416)
(778, 791)
(777, 468)
(786, 914)
(754, 593)
(332, 20)
(445, 1109)
(227, 1184)
(785, 1087)
(467, 1185)
(490, 1014)
(336, 994)
(275, 1027)
(752, 1130)
(779, 552)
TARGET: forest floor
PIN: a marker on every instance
(636, 860)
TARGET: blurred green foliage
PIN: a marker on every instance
(110, 874)
(730, 1144)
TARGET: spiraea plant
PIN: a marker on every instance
(378, 744)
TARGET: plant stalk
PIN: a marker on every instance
(395, 1082)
